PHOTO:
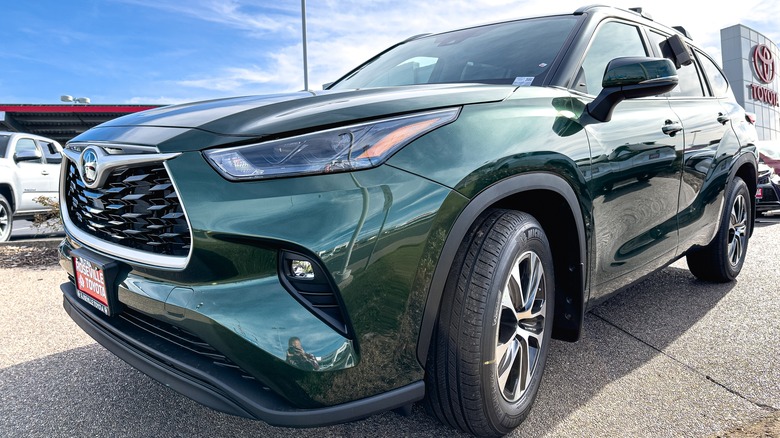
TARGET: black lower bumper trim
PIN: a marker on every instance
(263, 405)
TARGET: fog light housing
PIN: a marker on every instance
(307, 281)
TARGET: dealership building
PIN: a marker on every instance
(750, 64)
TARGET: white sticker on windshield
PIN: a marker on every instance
(523, 81)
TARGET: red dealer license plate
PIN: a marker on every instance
(91, 283)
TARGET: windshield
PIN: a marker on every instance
(507, 53)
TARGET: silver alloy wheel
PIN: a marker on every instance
(521, 326)
(737, 230)
(5, 218)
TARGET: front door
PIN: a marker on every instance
(636, 166)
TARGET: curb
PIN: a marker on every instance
(48, 242)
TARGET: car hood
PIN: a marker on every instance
(263, 116)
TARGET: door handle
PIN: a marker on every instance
(723, 118)
(44, 172)
(671, 128)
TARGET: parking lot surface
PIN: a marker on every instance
(671, 356)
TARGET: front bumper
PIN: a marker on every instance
(220, 387)
(377, 235)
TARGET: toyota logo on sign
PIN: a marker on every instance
(764, 63)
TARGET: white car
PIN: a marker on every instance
(29, 168)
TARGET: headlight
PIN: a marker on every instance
(342, 149)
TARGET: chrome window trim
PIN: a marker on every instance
(137, 257)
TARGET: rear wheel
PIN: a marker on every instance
(492, 336)
(6, 219)
(722, 259)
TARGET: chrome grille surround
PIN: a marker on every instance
(132, 211)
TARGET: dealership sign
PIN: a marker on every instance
(764, 67)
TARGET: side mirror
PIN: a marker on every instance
(27, 155)
(631, 78)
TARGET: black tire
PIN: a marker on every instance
(6, 219)
(473, 376)
(722, 260)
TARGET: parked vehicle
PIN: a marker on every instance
(418, 231)
(769, 154)
(768, 192)
(29, 168)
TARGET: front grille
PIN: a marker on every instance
(182, 338)
(137, 208)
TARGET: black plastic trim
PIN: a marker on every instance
(746, 158)
(302, 290)
(486, 198)
(207, 389)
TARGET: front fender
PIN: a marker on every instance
(529, 182)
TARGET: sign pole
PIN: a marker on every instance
(305, 55)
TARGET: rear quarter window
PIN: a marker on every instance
(718, 83)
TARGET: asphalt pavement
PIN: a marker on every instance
(671, 356)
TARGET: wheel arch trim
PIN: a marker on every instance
(501, 190)
(746, 160)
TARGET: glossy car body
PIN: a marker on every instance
(29, 168)
(204, 289)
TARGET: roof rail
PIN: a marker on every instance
(584, 9)
(641, 12)
(682, 31)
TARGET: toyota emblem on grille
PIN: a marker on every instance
(89, 163)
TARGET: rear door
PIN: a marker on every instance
(699, 102)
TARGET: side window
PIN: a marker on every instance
(613, 40)
(690, 81)
(27, 145)
(718, 82)
(50, 152)
(4, 144)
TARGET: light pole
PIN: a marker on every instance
(305, 55)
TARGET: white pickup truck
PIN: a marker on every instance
(29, 168)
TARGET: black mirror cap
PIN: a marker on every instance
(632, 78)
(621, 72)
(27, 156)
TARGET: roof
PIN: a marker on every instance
(61, 122)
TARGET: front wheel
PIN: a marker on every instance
(6, 219)
(722, 260)
(491, 340)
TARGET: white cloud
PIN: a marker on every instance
(243, 15)
(344, 33)
(231, 78)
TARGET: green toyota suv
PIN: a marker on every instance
(418, 231)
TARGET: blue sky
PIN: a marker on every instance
(167, 51)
